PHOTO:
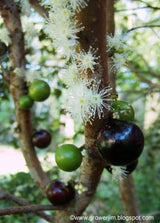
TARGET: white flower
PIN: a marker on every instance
(78, 101)
(63, 32)
(119, 61)
(30, 31)
(100, 100)
(71, 75)
(68, 176)
(85, 100)
(78, 4)
(61, 13)
(5, 36)
(86, 60)
(115, 42)
(119, 172)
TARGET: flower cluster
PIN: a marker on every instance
(84, 98)
(119, 51)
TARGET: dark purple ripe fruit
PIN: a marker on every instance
(127, 169)
(41, 138)
(120, 142)
(58, 193)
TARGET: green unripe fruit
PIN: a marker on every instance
(123, 110)
(25, 102)
(68, 157)
(39, 90)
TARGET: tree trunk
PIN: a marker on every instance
(93, 19)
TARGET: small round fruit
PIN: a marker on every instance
(59, 193)
(68, 157)
(39, 90)
(120, 142)
(25, 102)
(41, 138)
(126, 169)
(123, 109)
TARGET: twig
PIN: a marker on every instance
(143, 79)
(40, 9)
(17, 200)
(142, 27)
(28, 209)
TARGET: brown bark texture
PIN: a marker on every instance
(128, 197)
(93, 19)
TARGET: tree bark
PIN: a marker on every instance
(128, 197)
(93, 19)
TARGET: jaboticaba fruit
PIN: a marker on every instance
(39, 90)
(41, 138)
(59, 193)
(126, 169)
(123, 110)
(25, 102)
(68, 157)
(120, 142)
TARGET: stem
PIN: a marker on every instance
(128, 197)
(19, 201)
(27, 209)
(18, 88)
(93, 18)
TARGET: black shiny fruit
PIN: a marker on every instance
(127, 169)
(120, 142)
(41, 138)
(59, 193)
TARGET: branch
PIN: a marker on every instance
(155, 74)
(40, 9)
(18, 88)
(133, 9)
(28, 209)
(147, 4)
(128, 197)
(93, 18)
(143, 79)
(17, 200)
(142, 27)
